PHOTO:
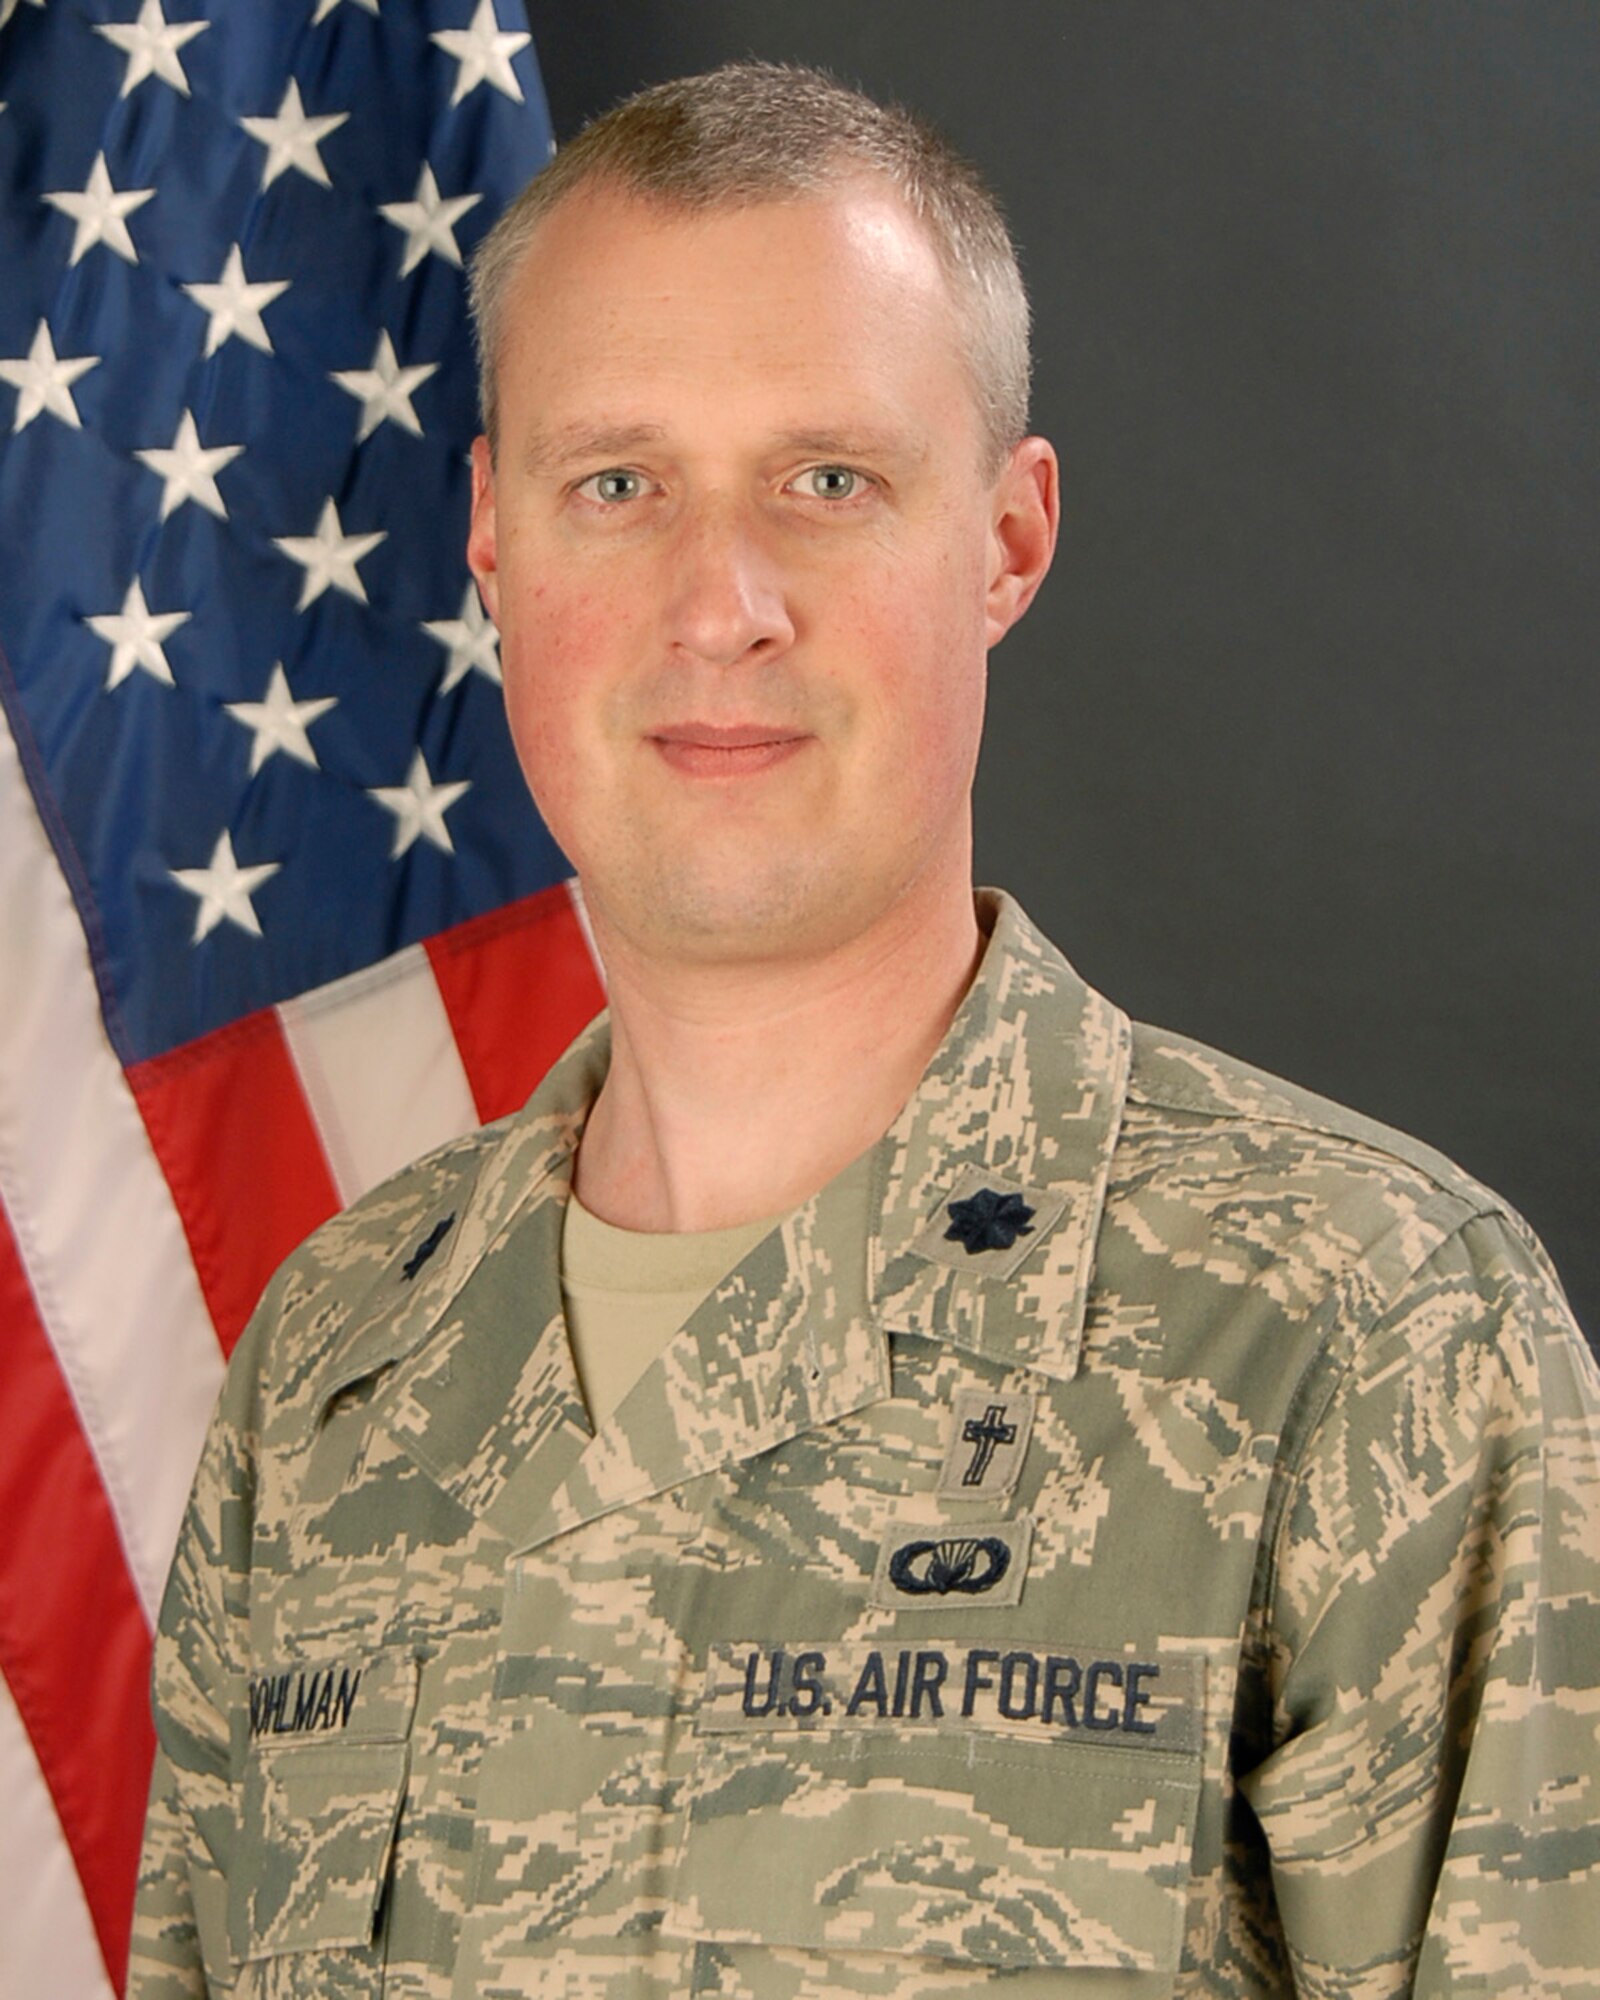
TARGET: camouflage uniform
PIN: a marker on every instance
(1163, 1556)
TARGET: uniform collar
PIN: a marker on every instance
(472, 1199)
(1018, 1110)
(1021, 1105)
(1018, 1113)
(1023, 1099)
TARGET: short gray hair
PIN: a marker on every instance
(752, 132)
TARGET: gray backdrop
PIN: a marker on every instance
(1297, 752)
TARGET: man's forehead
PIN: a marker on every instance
(822, 322)
(600, 219)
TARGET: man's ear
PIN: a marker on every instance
(482, 558)
(1022, 533)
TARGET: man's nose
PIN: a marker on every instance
(728, 598)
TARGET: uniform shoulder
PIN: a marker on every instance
(397, 1234)
(1176, 1080)
(374, 1224)
(1225, 1175)
(366, 1287)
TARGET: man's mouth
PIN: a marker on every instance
(726, 750)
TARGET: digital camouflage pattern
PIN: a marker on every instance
(1267, 1663)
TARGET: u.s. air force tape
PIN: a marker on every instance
(1142, 1701)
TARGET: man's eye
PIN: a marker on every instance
(616, 483)
(829, 482)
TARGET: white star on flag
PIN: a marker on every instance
(101, 213)
(292, 139)
(419, 807)
(484, 52)
(151, 45)
(134, 635)
(326, 7)
(429, 222)
(471, 641)
(279, 722)
(9, 7)
(235, 305)
(385, 389)
(190, 469)
(329, 557)
(43, 382)
(225, 889)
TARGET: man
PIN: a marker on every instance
(884, 1478)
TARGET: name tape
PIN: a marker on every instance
(303, 1703)
(367, 1698)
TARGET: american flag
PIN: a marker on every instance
(275, 911)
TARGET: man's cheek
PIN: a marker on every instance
(578, 632)
(537, 711)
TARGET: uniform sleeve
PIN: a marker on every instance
(180, 1928)
(167, 1958)
(1432, 1800)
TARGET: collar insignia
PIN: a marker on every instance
(425, 1249)
(988, 1220)
(987, 1227)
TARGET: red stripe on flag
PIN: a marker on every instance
(517, 984)
(74, 1646)
(240, 1152)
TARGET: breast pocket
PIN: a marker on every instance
(1003, 1810)
(321, 1780)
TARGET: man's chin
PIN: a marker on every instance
(705, 919)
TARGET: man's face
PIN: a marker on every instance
(746, 565)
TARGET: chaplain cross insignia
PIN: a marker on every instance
(985, 1434)
(988, 1441)
(989, 1220)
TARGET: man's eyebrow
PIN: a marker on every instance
(600, 442)
(850, 441)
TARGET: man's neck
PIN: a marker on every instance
(737, 1091)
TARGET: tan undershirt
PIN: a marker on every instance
(627, 1291)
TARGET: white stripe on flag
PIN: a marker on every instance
(580, 910)
(47, 1942)
(378, 1063)
(92, 1215)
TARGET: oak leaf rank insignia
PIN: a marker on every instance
(988, 1220)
